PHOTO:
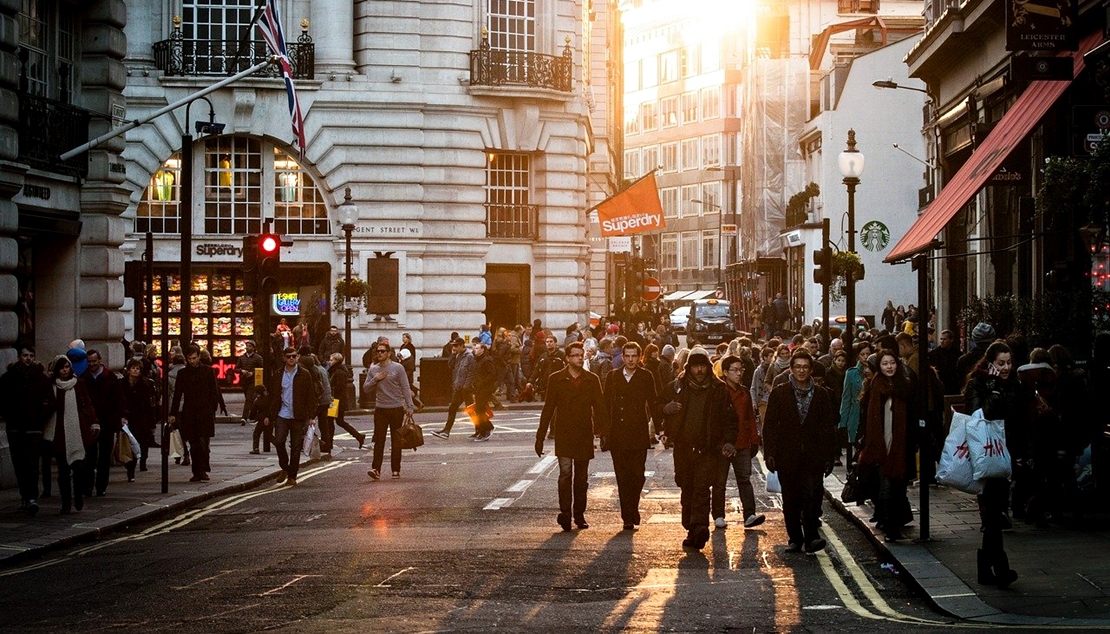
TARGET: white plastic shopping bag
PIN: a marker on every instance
(773, 484)
(955, 468)
(986, 442)
(311, 447)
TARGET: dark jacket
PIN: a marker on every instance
(631, 405)
(26, 397)
(141, 414)
(107, 396)
(339, 378)
(197, 385)
(485, 373)
(328, 346)
(719, 424)
(796, 445)
(577, 409)
(246, 366)
(305, 402)
(1001, 400)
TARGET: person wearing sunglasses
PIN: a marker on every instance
(392, 402)
(293, 402)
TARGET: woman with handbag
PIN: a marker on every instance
(71, 430)
(993, 386)
(889, 412)
(140, 394)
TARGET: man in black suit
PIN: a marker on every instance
(292, 403)
(632, 402)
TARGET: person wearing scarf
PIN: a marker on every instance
(799, 442)
(71, 430)
(889, 410)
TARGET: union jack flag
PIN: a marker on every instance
(270, 27)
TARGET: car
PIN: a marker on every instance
(711, 322)
(679, 317)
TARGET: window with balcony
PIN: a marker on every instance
(509, 213)
(241, 177)
(46, 50)
(512, 25)
(219, 37)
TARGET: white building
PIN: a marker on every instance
(461, 128)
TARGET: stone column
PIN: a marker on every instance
(331, 25)
(103, 197)
(11, 177)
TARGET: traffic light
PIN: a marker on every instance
(250, 265)
(822, 266)
(269, 263)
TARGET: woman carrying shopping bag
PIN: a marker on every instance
(993, 386)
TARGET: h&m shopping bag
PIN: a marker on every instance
(955, 468)
(986, 441)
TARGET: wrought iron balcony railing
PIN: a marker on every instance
(179, 57)
(46, 129)
(492, 67)
(516, 222)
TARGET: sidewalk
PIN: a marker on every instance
(1064, 573)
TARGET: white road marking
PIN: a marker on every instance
(200, 581)
(543, 464)
(520, 487)
(497, 504)
(283, 586)
(384, 583)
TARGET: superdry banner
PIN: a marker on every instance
(634, 210)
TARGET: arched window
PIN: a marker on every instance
(240, 177)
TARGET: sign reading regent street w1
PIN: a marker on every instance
(1041, 25)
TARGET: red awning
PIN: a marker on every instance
(1011, 130)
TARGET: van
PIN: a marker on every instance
(711, 322)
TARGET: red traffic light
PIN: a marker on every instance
(269, 244)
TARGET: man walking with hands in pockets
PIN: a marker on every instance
(574, 399)
(292, 402)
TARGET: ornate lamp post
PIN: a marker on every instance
(850, 163)
(348, 215)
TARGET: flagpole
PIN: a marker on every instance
(85, 147)
(630, 186)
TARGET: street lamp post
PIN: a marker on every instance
(348, 214)
(850, 163)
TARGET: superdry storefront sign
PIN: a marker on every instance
(217, 249)
(634, 210)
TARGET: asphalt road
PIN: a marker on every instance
(465, 540)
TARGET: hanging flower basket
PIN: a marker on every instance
(842, 263)
(357, 293)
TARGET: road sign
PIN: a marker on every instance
(652, 289)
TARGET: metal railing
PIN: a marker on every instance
(179, 57)
(515, 222)
(47, 128)
(492, 67)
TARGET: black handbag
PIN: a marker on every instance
(410, 435)
(859, 485)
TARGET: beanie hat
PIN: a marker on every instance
(698, 356)
(613, 329)
(983, 332)
(668, 351)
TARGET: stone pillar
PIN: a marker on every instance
(331, 25)
(11, 177)
(143, 30)
(103, 197)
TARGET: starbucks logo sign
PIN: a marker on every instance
(875, 236)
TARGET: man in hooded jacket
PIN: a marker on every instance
(702, 424)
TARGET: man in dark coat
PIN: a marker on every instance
(799, 442)
(106, 391)
(632, 402)
(196, 384)
(27, 402)
(574, 398)
(702, 424)
(982, 335)
(292, 402)
(485, 382)
(945, 358)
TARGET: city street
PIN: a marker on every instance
(466, 539)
